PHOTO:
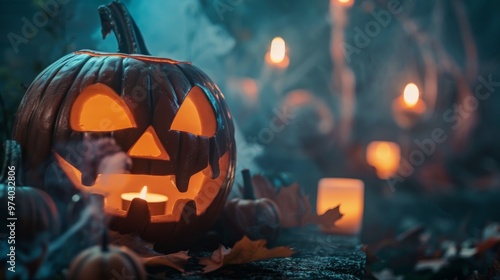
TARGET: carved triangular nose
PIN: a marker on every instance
(149, 146)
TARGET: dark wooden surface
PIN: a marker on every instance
(318, 256)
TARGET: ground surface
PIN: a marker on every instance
(318, 256)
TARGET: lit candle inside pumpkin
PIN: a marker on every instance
(349, 193)
(276, 56)
(156, 202)
(408, 107)
(385, 157)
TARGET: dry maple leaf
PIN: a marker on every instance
(145, 251)
(328, 218)
(244, 251)
(294, 206)
(175, 260)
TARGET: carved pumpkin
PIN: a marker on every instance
(167, 115)
(106, 262)
(255, 218)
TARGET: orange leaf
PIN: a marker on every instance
(216, 260)
(244, 251)
(293, 205)
(328, 218)
(176, 260)
(487, 244)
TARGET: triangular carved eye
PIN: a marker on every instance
(99, 108)
(196, 115)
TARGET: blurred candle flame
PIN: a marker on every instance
(384, 156)
(277, 51)
(346, 3)
(144, 191)
(411, 94)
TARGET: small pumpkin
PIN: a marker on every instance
(255, 218)
(166, 115)
(103, 262)
(32, 213)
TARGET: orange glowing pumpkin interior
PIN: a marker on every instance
(98, 108)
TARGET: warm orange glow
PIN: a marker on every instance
(156, 202)
(202, 189)
(99, 108)
(196, 115)
(146, 58)
(278, 50)
(385, 157)
(276, 56)
(411, 94)
(349, 193)
(345, 3)
(144, 191)
(149, 146)
(408, 108)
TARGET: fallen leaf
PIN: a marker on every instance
(294, 206)
(216, 260)
(486, 245)
(328, 218)
(244, 251)
(145, 251)
(176, 260)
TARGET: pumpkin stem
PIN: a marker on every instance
(104, 247)
(248, 192)
(115, 17)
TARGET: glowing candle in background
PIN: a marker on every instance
(349, 193)
(276, 57)
(385, 157)
(156, 202)
(409, 107)
(411, 95)
(344, 3)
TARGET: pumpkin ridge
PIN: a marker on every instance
(131, 260)
(63, 100)
(150, 98)
(32, 138)
(99, 71)
(84, 259)
(171, 89)
(31, 106)
(139, 57)
(188, 77)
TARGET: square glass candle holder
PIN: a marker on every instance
(349, 193)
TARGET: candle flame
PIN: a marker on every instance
(384, 156)
(278, 49)
(411, 94)
(346, 3)
(144, 191)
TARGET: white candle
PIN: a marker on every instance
(349, 193)
(156, 202)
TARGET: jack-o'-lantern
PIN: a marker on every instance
(167, 115)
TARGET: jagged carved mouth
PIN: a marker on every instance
(202, 189)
